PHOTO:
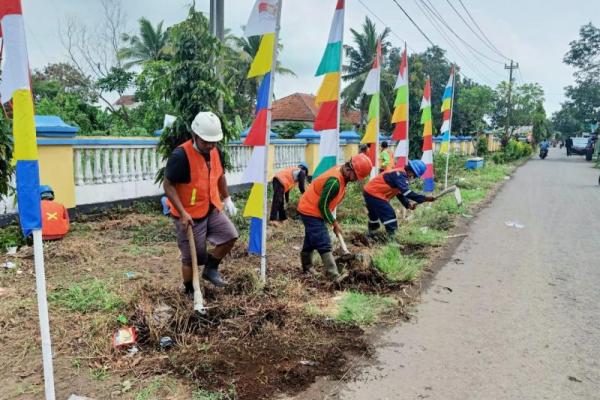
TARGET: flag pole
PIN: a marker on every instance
(40, 282)
(375, 169)
(450, 126)
(263, 247)
(407, 109)
(339, 97)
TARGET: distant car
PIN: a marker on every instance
(583, 147)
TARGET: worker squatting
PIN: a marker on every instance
(197, 193)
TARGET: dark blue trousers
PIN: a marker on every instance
(316, 235)
(380, 210)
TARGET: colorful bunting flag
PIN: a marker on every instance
(263, 21)
(447, 100)
(426, 121)
(371, 87)
(14, 84)
(400, 116)
(327, 121)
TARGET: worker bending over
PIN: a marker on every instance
(394, 183)
(317, 205)
(284, 181)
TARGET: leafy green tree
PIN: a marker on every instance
(117, 80)
(473, 105)
(525, 101)
(289, 130)
(192, 83)
(583, 53)
(150, 44)
(6, 169)
(567, 120)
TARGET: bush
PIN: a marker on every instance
(482, 146)
(513, 151)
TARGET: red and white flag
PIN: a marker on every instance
(15, 67)
(263, 18)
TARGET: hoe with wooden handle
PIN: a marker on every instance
(198, 299)
(452, 189)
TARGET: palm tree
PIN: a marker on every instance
(149, 45)
(361, 55)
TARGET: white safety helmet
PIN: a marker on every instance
(207, 126)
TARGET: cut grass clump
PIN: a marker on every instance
(434, 218)
(86, 297)
(202, 394)
(396, 266)
(362, 309)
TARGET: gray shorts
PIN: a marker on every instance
(215, 228)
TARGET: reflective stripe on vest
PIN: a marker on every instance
(286, 177)
(203, 188)
(55, 220)
(378, 187)
(309, 202)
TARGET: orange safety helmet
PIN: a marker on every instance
(362, 165)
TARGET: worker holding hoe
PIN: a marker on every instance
(317, 205)
(196, 187)
(283, 182)
(394, 183)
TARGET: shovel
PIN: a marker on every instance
(198, 298)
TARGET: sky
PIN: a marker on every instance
(534, 33)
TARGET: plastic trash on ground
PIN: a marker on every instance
(124, 336)
(514, 224)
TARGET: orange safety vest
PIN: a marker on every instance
(391, 164)
(309, 202)
(203, 189)
(55, 220)
(286, 177)
(378, 187)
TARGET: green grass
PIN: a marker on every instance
(362, 309)
(158, 231)
(396, 266)
(99, 374)
(138, 250)
(86, 297)
(420, 236)
(434, 217)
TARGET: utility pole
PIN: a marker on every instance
(510, 67)
(217, 29)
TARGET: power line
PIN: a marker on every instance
(450, 42)
(437, 14)
(413, 22)
(479, 28)
(384, 24)
(472, 30)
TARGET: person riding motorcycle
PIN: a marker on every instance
(544, 146)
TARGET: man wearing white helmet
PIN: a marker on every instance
(197, 190)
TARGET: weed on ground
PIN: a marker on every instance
(121, 267)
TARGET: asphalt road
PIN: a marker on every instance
(516, 313)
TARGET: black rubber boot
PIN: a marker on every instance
(188, 288)
(307, 264)
(211, 272)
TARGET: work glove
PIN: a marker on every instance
(230, 207)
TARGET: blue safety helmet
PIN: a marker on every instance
(46, 192)
(303, 165)
(418, 167)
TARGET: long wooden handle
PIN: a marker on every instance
(198, 298)
(451, 189)
(342, 243)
